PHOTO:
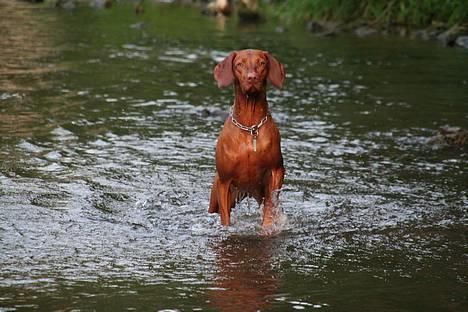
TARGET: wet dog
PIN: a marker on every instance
(248, 152)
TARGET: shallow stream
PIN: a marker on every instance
(108, 122)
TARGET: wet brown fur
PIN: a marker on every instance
(241, 171)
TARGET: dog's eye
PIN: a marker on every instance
(262, 63)
(240, 65)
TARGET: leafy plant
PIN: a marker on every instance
(411, 12)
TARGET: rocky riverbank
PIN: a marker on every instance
(454, 36)
(450, 36)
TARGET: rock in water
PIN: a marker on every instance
(219, 7)
(453, 136)
(248, 10)
(365, 31)
(449, 37)
(462, 41)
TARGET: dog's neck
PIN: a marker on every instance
(249, 110)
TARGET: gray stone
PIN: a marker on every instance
(315, 27)
(462, 41)
(420, 34)
(448, 37)
(364, 31)
(324, 28)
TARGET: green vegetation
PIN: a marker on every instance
(408, 12)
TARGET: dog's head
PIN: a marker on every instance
(250, 69)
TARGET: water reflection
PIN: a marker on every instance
(245, 278)
(221, 21)
(26, 39)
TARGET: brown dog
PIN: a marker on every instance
(248, 152)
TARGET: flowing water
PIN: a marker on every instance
(108, 123)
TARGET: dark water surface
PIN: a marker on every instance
(108, 123)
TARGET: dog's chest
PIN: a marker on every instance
(244, 149)
(255, 146)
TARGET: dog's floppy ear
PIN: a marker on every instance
(276, 72)
(223, 71)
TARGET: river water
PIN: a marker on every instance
(108, 123)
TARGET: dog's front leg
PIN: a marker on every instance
(214, 206)
(224, 201)
(271, 202)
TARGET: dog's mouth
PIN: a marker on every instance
(251, 88)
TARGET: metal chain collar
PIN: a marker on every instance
(253, 130)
